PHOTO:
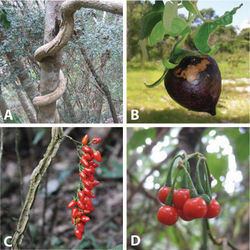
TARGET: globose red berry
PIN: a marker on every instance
(195, 208)
(213, 209)
(167, 215)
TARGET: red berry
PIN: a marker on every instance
(71, 204)
(78, 234)
(167, 215)
(87, 171)
(80, 204)
(84, 161)
(86, 149)
(91, 177)
(163, 194)
(85, 218)
(92, 170)
(95, 183)
(79, 214)
(82, 175)
(74, 212)
(87, 184)
(195, 208)
(180, 197)
(86, 211)
(180, 213)
(81, 194)
(80, 226)
(87, 199)
(213, 209)
(88, 193)
(88, 157)
(96, 140)
(97, 156)
(85, 139)
(90, 207)
(95, 165)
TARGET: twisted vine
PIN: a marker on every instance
(68, 8)
(35, 180)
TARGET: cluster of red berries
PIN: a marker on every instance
(82, 204)
(185, 207)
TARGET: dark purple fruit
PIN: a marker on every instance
(195, 83)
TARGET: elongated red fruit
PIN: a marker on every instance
(71, 204)
(97, 156)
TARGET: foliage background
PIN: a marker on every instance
(99, 33)
(155, 105)
(150, 150)
(50, 224)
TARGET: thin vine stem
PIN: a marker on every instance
(35, 181)
(1, 145)
(19, 165)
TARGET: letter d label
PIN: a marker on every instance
(135, 240)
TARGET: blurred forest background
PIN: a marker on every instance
(50, 224)
(97, 38)
(155, 104)
(149, 153)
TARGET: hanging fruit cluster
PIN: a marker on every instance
(190, 201)
(82, 204)
(192, 78)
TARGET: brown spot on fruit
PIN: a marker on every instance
(195, 83)
(191, 73)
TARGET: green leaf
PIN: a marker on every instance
(203, 32)
(158, 81)
(179, 54)
(190, 7)
(239, 141)
(3, 19)
(16, 119)
(118, 247)
(150, 19)
(157, 34)
(159, 5)
(178, 26)
(90, 236)
(116, 171)
(217, 166)
(170, 12)
(167, 64)
(138, 138)
(39, 136)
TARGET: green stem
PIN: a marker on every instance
(184, 183)
(198, 178)
(204, 234)
(207, 182)
(170, 196)
(158, 81)
(193, 192)
(168, 182)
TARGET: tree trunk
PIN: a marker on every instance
(101, 84)
(22, 75)
(59, 26)
(26, 104)
(50, 66)
(96, 102)
(69, 107)
(3, 105)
